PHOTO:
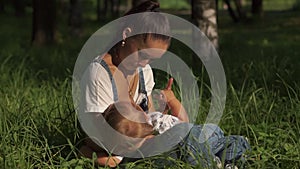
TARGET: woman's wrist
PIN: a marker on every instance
(168, 95)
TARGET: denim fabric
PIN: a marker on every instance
(233, 148)
(195, 150)
(205, 142)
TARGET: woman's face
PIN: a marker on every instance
(138, 52)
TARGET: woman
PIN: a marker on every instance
(123, 73)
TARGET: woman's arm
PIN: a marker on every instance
(175, 106)
(173, 103)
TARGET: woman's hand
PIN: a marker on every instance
(172, 103)
(167, 93)
(165, 97)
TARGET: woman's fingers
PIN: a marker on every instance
(169, 85)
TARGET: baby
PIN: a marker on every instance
(138, 124)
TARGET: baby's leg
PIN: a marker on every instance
(214, 136)
(234, 148)
(197, 152)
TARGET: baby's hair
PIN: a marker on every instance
(114, 116)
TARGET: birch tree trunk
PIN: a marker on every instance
(204, 14)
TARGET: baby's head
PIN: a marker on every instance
(128, 119)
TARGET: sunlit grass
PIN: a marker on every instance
(39, 127)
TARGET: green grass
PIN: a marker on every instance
(39, 127)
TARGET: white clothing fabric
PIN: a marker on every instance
(96, 88)
(162, 122)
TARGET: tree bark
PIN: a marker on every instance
(19, 6)
(128, 5)
(111, 8)
(239, 9)
(75, 17)
(137, 2)
(98, 7)
(231, 11)
(43, 22)
(204, 15)
(2, 6)
(257, 7)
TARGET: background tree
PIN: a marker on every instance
(204, 15)
(240, 10)
(238, 14)
(99, 11)
(112, 6)
(19, 6)
(2, 6)
(231, 11)
(137, 2)
(257, 7)
(43, 21)
(75, 17)
(108, 8)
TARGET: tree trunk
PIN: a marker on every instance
(99, 11)
(105, 6)
(128, 5)
(116, 7)
(239, 8)
(231, 11)
(257, 7)
(2, 6)
(137, 2)
(204, 15)
(43, 22)
(101, 5)
(19, 6)
(75, 17)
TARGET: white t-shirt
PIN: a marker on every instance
(96, 88)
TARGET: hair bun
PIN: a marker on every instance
(146, 6)
(153, 6)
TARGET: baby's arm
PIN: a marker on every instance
(103, 159)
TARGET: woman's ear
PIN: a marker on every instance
(126, 33)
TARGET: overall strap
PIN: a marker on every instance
(113, 83)
(142, 87)
(142, 90)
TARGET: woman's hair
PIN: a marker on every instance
(145, 6)
(157, 26)
(114, 116)
(145, 22)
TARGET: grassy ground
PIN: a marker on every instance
(38, 124)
